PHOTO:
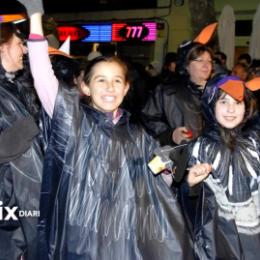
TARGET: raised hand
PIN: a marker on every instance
(32, 6)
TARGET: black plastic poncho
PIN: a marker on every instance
(20, 171)
(227, 224)
(173, 105)
(99, 199)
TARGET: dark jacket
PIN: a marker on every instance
(173, 105)
(20, 171)
(99, 198)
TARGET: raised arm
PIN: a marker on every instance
(45, 82)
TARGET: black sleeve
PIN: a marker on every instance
(154, 118)
(165, 138)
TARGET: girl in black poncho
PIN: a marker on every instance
(108, 203)
(99, 198)
(226, 159)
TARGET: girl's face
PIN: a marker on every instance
(12, 53)
(107, 86)
(229, 112)
(200, 68)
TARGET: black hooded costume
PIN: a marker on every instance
(20, 168)
(227, 223)
(99, 198)
(175, 103)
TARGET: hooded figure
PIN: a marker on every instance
(174, 107)
(227, 222)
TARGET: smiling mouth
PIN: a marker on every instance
(230, 118)
(109, 99)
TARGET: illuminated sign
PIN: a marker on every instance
(98, 33)
(75, 33)
(107, 32)
(145, 31)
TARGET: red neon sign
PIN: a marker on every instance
(117, 32)
(75, 33)
(116, 27)
(134, 32)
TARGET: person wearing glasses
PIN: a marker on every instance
(172, 114)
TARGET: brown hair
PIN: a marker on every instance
(7, 31)
(90, 67)
(196, 51)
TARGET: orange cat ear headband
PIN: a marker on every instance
(54, 51)
(236, 88)
(253, 84)
(206, 33)
(6, 18)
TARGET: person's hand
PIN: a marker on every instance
(198, 173)
(32, 6)
(181, 134)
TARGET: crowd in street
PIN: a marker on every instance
(77, 138)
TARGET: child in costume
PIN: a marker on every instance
(99, 198)
(225, 163)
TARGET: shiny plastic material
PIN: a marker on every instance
(99, 198)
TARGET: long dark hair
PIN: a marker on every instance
(229, 136)
(213, 129)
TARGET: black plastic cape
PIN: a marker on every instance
(173, 105)
(227, 224)
(99, 198)
(20, 172)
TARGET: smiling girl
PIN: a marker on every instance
(226, 163)
(99, 198)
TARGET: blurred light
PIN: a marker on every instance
(134, 31)
(110, 32)
(75, 33)
(152, 36)
(98, 33)
(116, 27)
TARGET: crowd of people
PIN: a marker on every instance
(77, 138)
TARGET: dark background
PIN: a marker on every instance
(65, 6)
